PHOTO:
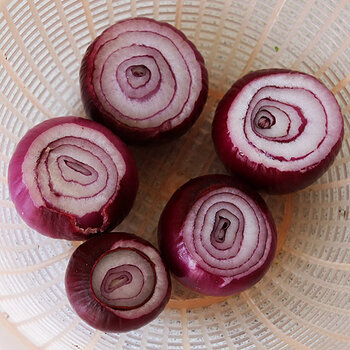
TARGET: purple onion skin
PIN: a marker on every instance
(174, 251)
(270, 180)
(95, 110)
(77, 282)
(60, 225)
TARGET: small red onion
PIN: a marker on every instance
(71, 178)
(144, 79)
(278, 129)
(117, 282)
(216, 235)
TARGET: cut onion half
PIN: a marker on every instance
(117, 282)
(217, 235)
(278, 129)
(71, 178)
(144, 79)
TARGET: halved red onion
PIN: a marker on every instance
(278, 129)
(144, 79)
(117, 282)
(216, 235)
(71, 178)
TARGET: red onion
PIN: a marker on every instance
(216, 235)
(117, 282)
(71, 178)
(144, 79)
(278, 129)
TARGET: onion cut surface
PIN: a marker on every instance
(216, 235)
(71, 178)
(117, 282)
(278, 129)
(144, 79)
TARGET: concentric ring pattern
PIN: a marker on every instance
(304, 300)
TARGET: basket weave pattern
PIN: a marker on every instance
(304, 300)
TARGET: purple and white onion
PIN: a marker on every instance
(71, 178)
(117, 282)
(144, 79)
(216, 235)
(278, 129)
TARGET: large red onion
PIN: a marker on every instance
(216, 235)
(144, 79)
(278, 129)
(71, 178)
(117, 282)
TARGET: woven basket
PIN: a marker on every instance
(304, 300)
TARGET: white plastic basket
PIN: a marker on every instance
(304, 300)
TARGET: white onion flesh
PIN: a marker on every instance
(157, 282)
(243, 248)
(73, 169)
(123, 278)
(169, 81)
(301, 109)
